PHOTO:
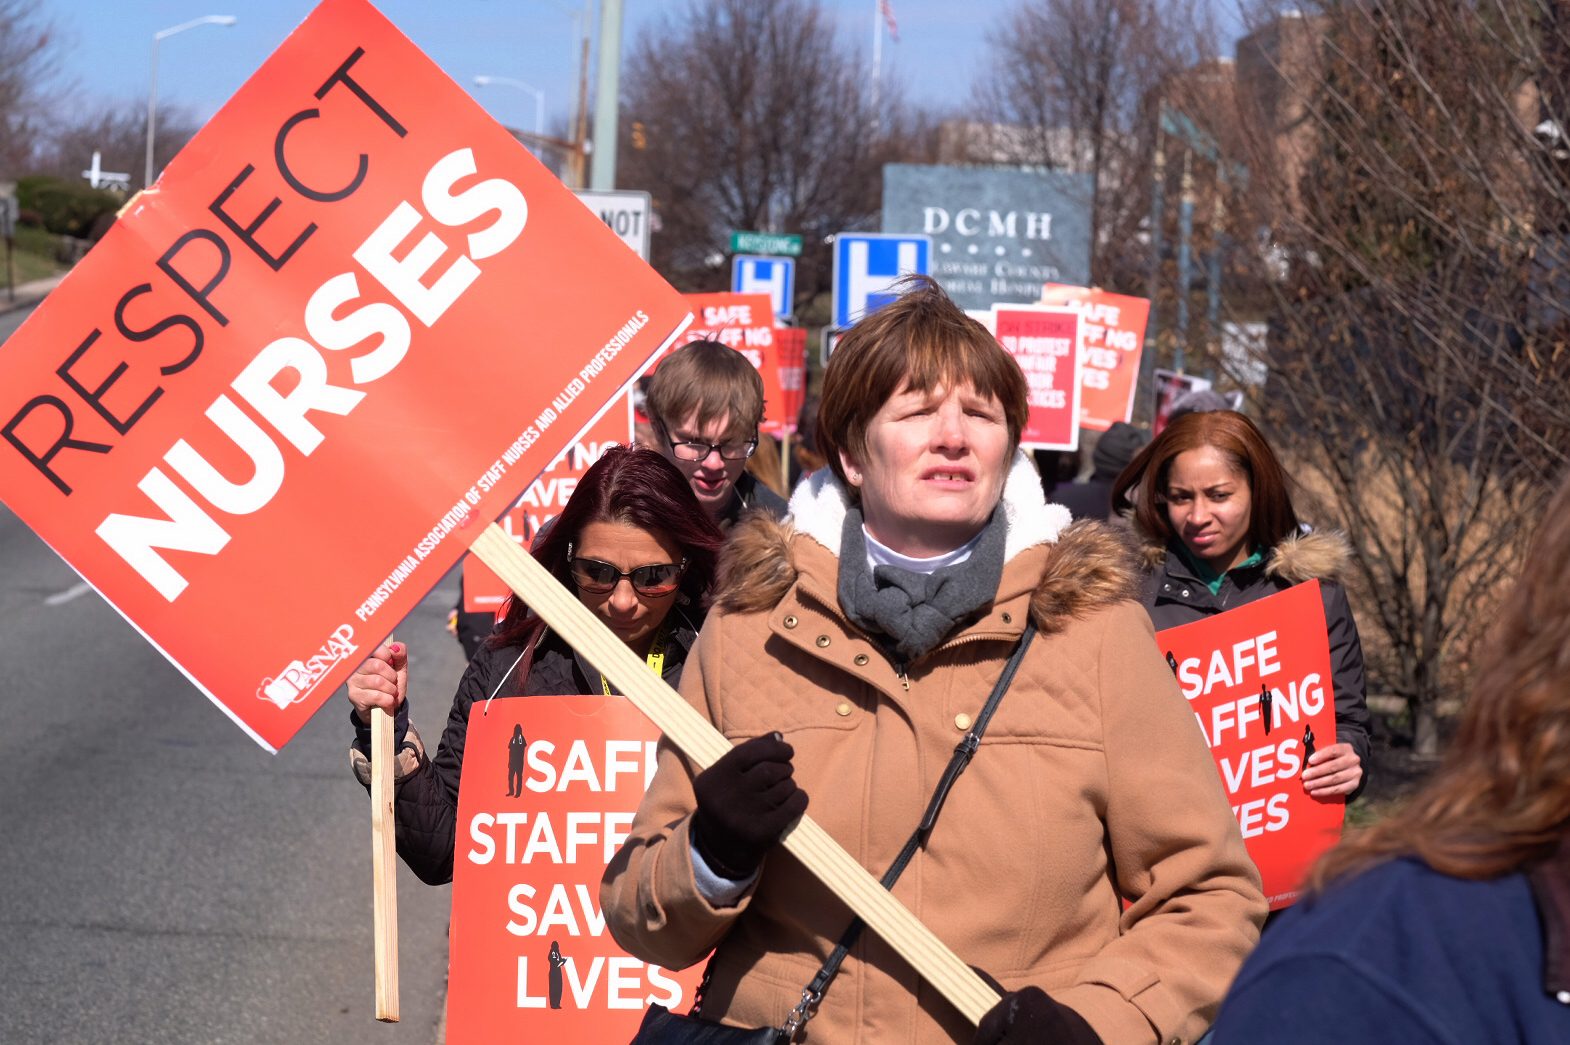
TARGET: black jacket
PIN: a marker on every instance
(750, 495)
(425, 805)
(1091, 499)
(1174, 595)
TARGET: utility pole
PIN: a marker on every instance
(607, 102)
(580, 135)
(1185, 235)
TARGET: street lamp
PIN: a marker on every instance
(152, 89)
(539, 99)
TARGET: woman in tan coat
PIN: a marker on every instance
(851, 648)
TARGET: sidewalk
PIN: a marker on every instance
(28, 294)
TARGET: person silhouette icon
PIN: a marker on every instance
(516, 748)
(557, 961)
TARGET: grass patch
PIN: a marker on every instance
(33, 255)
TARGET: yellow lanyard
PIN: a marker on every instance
(655, 659)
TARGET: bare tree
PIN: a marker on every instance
(118, 132)
(750, 115)
(1409, 179)
(28, 49)
(1070, 85)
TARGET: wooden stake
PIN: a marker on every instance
(702, 743)
(785, 464)
(384, 867)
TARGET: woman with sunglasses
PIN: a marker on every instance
(639, 551)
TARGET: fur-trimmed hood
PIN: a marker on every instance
(1317, 555)
(1085, 564)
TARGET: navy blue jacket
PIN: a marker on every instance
(1403, 955)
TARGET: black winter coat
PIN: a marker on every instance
(425, 805)
(1173, 595)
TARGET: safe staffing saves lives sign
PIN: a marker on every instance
(549, 788)
(353, 318)
(1258, 681)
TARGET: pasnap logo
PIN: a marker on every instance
(295, 682)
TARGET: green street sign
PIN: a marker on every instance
(765, 243)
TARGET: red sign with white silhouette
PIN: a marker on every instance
(548, 792)
(1258, 680)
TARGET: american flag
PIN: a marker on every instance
(887, 10)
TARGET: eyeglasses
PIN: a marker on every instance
(696, 450)
(601, 578)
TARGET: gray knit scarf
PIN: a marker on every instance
(916, 611)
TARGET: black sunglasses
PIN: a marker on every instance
(601, 578)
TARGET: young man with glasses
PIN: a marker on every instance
(705, 401)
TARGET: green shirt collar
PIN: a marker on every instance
(1208, 577)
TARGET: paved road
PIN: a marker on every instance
(11, 319)
(166, 880)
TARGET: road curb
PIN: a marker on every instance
(30, 294)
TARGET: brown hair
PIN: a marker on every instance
(1142, 486)
(628, 484)
(1501, 798)
(914, 343)
(710, 379)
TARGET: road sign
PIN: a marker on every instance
(626, 213)
(9, 211)
(775, 277)
(867, 264)
(765, 243)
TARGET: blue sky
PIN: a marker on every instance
(107, 57)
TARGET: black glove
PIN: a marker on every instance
(746, 800)
(1027, 1016)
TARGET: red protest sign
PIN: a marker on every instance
(352, 316)
(782, 405)
(1114, 338)
(483, 591)
(745, 322)
(548, 792)
(1045, 343)
(1225, 664)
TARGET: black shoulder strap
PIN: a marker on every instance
(963, 753)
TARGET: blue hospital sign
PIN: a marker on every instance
(776, 277)
(997, 235)
(866, 266)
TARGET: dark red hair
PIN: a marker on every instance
(628, 484)
(1142, 486)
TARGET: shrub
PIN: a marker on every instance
(65, 208)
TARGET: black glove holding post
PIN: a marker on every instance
(1027, 1016)
(746, 800)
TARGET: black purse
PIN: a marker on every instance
(660, 1026)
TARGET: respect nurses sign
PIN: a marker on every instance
(1046, 344)
(549, 789)
(1258, 679)
(353, 315)
(543, 500)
